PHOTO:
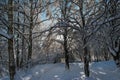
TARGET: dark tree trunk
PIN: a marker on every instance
(86, 61)
(30, 45)
(117, 60)
(65, 49)
(17, 55)
(10, 41)
(117, 56)
(30, 31)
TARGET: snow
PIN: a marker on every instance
(105, 70)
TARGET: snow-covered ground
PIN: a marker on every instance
(98, 71)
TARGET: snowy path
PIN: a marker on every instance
(99, 71)
(55, 72)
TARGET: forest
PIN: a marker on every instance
(58, 32)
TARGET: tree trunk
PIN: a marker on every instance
(23, 47)
(117, 61)
(117, 58)
(17, 55)
(65, 49)
(10, 41)
(30, 45)
(30, 32)
(85, 51)
(86, 61)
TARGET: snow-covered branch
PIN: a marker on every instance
(5, 35)
(112, 51)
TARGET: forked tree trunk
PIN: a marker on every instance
(116, 55)
(10, 41)
(64, 16)
(113, 12)
(85, 51)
